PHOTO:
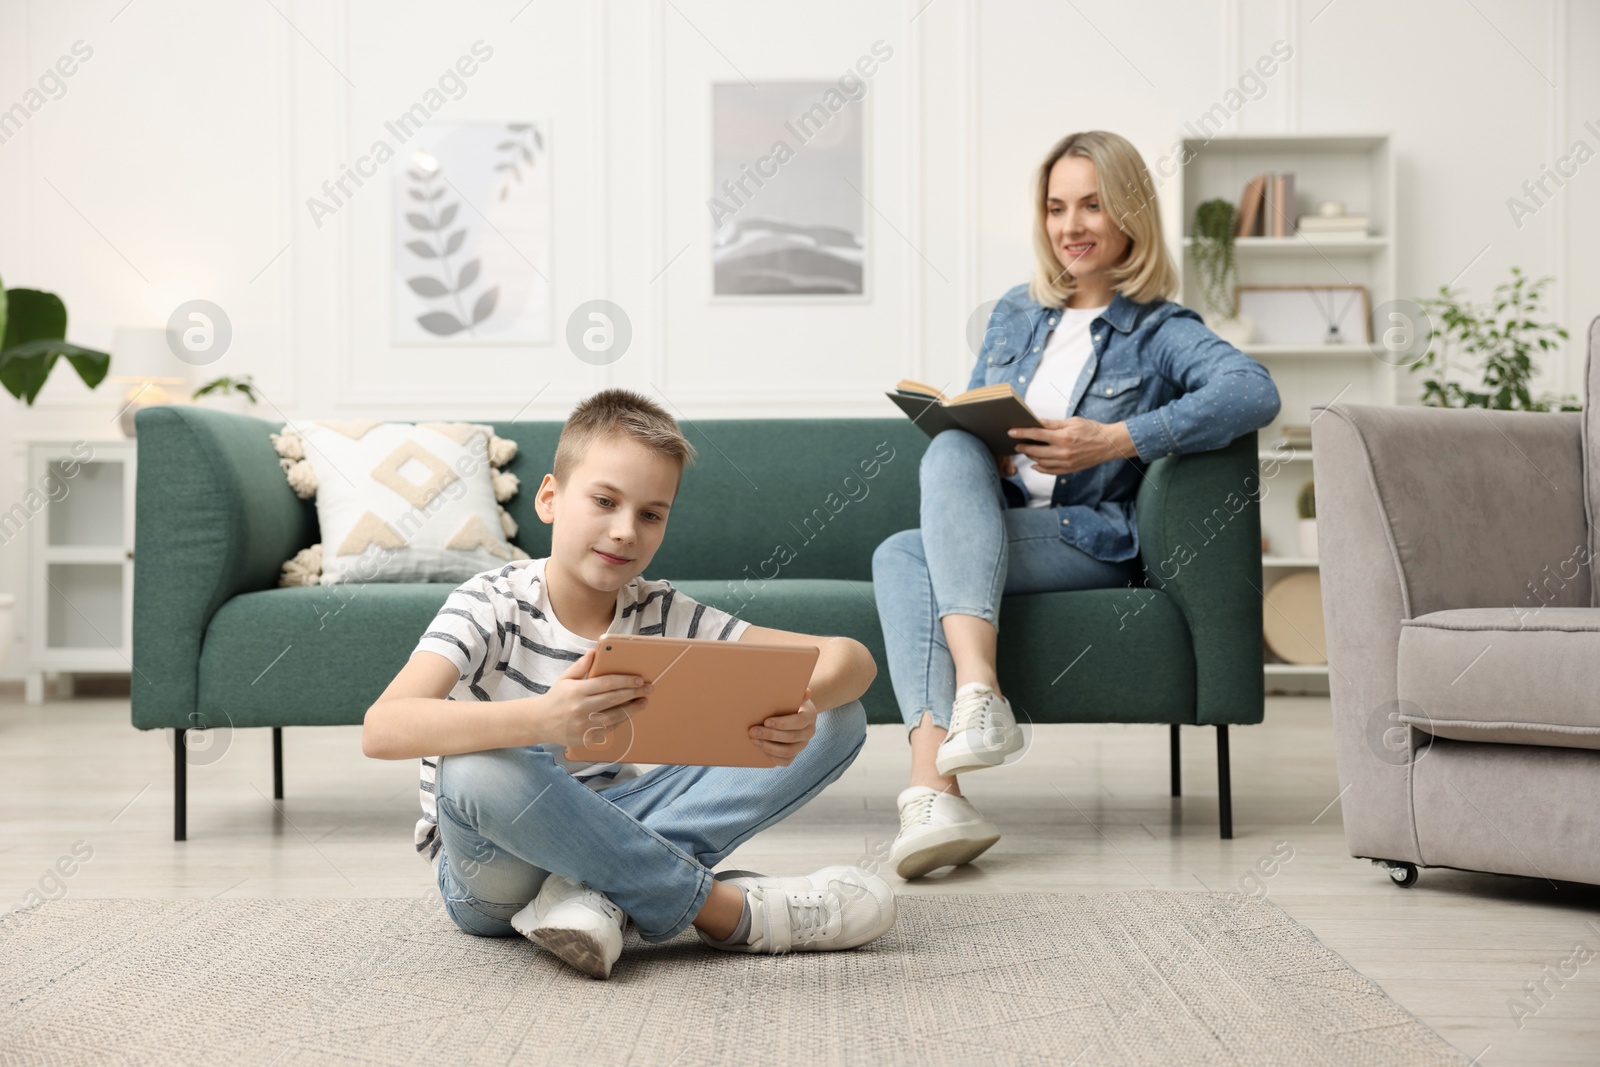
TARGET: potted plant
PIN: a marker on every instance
(1306, 506)
(33, 330)
(1503, 339)
(236, 395)
(1214, 225)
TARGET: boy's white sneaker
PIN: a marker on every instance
(983, 732)
(832, 908)
(581, 926)
(937, 830)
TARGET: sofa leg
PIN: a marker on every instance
(1224, 787)
(277, 763)
(1177, 764)
(179, 799)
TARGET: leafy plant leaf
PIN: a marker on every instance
(33, 325)
(33, 315)
(24, 377)
(485, 305)
(448, 215)
(25, 367)
(423, 285)
(454, 242)
(419, 221)
(538, 141)
(469, 274)
(423, 249)
(441, 323)
(92, 366)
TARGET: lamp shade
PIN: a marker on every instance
(141, 354)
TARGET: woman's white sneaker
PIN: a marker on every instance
(579, 925)
(937, 830)
(983, 732)
(833, 908)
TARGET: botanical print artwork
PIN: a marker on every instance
(472, 236)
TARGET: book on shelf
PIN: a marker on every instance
(1250, 207)
(1282, 204)
(1332, 223)
(988, 412)
(1266, 206)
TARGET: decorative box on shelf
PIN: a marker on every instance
(80, 560)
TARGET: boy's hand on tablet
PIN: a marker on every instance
(783, 736)
(583, 711)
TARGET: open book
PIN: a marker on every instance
(988, 412)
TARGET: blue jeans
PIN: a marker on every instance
(510, 816)
(971, 550)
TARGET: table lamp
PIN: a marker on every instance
(140, 357)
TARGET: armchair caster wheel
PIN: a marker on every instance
(1403, 874)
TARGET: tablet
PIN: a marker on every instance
(707, 695)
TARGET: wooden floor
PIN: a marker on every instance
(1085, 810)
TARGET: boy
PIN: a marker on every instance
(567, 853)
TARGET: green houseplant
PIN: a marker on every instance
(1212, 248)
(228, 394)
(33, 330)
(1305, 505)
(1504, 339)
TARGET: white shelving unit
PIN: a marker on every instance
(80, 558)
(1359, 170)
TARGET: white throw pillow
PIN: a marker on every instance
(400, 502)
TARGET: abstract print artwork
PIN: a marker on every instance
(787, 205)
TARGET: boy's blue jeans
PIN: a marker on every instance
(971, 550)
(510, 816)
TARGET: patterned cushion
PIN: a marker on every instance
(399, 502)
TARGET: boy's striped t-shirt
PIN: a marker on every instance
(500, 631)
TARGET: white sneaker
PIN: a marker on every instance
(937, 830)
(833, 908)
(579, 925)
(983, 732)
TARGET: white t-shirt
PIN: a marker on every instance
(1066, 350)
(500, 631)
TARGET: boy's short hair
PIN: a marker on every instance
(619, 413)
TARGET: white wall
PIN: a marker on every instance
(186, 147)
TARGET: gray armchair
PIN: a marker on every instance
(1463, 633)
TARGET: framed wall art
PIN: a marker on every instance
(471, 220)
(787, 202)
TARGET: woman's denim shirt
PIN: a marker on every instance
(1157, 367)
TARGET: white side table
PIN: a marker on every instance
(80, 559)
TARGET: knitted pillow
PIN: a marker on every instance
(400, 502)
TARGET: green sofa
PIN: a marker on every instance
(216, 642)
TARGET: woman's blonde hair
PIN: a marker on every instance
(1146, 273)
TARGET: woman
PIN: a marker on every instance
(1119, 375)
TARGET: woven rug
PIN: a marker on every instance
(1016, 978)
